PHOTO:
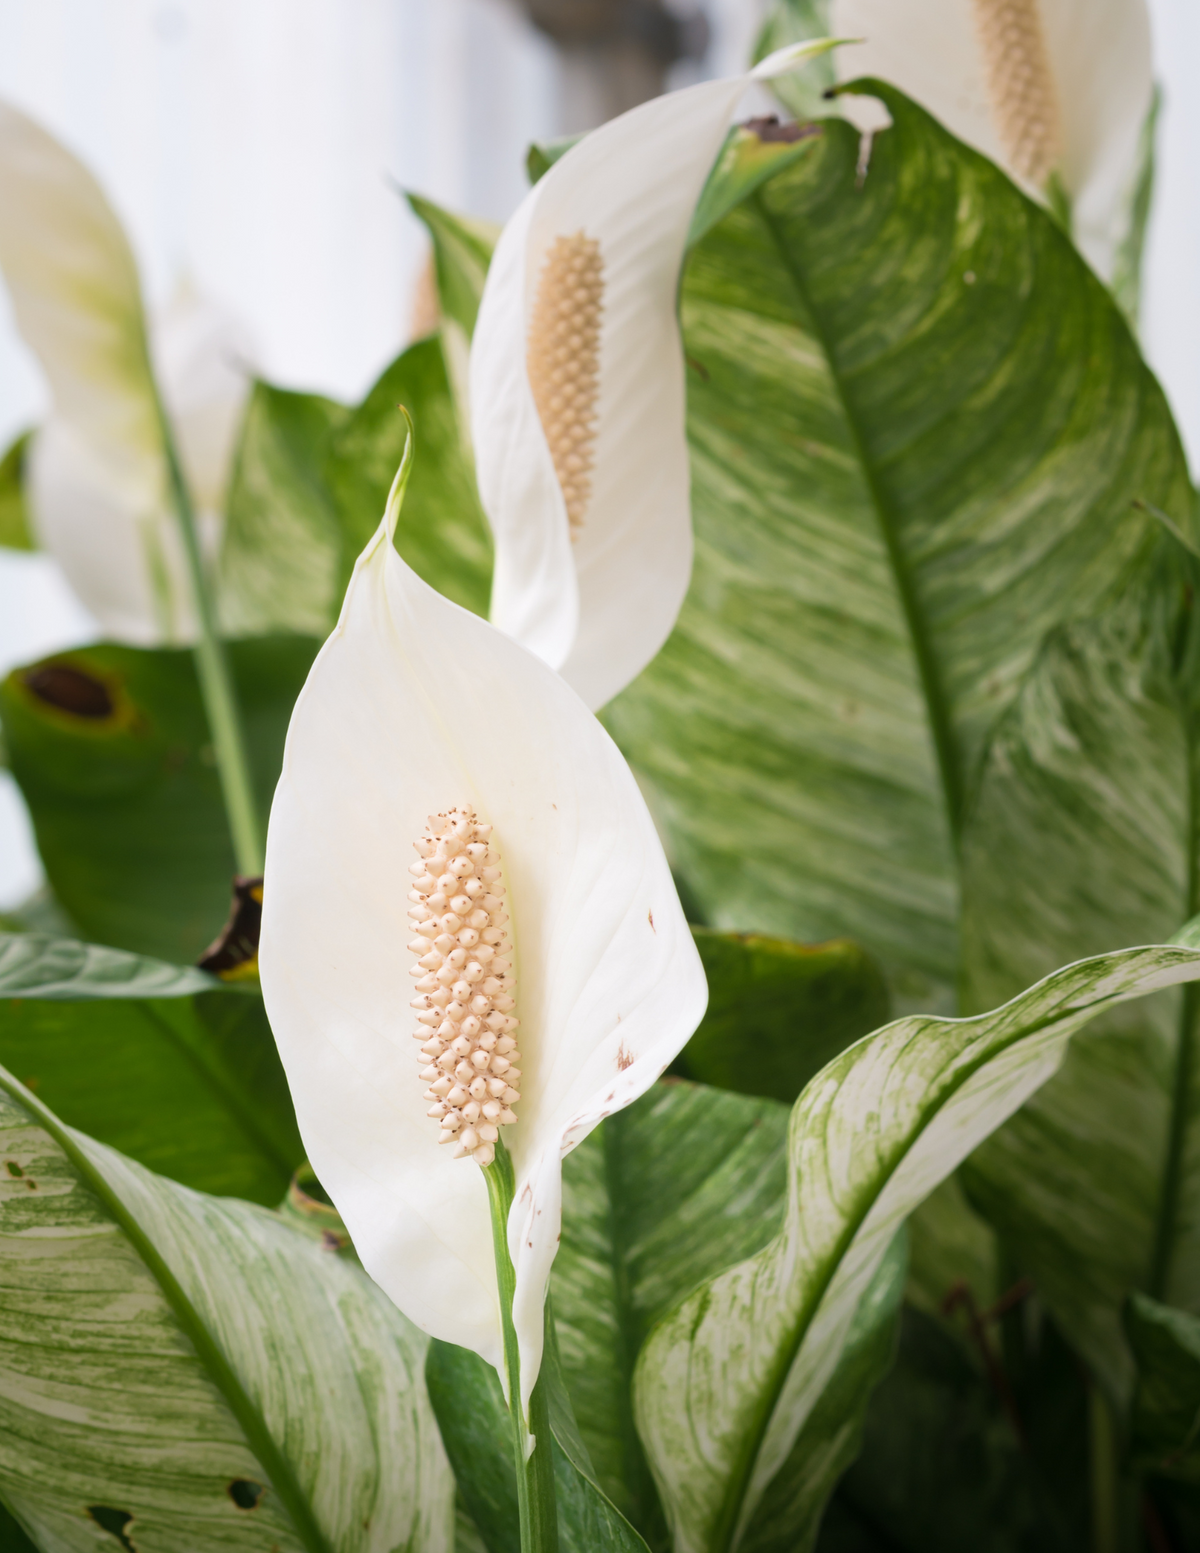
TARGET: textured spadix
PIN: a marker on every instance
(577, 389)
(98, 474)
(415, 708)
(1044, 87)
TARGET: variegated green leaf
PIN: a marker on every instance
(918, 424)
(726, 1384)
(229, 1384)
(1088, 796)
(280, 547)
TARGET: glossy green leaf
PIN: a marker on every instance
(16, 532)
(442, 534)
(1165, 1423)
(113, 758)
(462, 251)
(778, 1012)
(470, 1407)
(230, 1384)
(310, 484)
(1088, 796)
(725, 1386)
(189, 1087)
(279, 553)
(917, 424)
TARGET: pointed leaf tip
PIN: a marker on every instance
(793, 55)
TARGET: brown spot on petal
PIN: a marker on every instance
(624, 1058)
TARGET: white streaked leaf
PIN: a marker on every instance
(726, 1383)
(230, 1384)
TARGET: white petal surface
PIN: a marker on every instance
(598, 608)
(1099, 53)
(412, 707)
(100, 496)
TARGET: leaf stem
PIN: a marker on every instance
(216, 683)
(532, 1455)
(1106, 1536)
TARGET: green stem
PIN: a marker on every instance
(216, 684)
(535, 1471)
(1106, 1534)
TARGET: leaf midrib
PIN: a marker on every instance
(937, 708)
(208, 1351)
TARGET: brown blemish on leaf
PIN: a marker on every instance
(233, 956)
(769, 130)
(13, 1168)
(70, 689)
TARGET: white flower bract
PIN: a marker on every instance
(577, 389)
(416, 712)
(98, 478)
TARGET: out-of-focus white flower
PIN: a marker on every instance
(577, 388)
(98, 474)
(459, 854)
(1050, 89)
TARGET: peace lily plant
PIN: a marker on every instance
(444, 789)
(128, 474)
(872, 532)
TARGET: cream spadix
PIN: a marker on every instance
(457, 849)
(1052, 90)
(99, 481)
(577, 389)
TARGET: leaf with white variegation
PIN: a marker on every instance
(726, 1384)
(231, 1384)
(917, 426)
(1088, 795)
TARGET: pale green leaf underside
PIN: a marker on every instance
(726, 1383)
(216, 1356)
(918, 424)
(35, 965)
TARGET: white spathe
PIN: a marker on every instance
(415, 706)
(1099, 56)
(599, 607)
(98, 479)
